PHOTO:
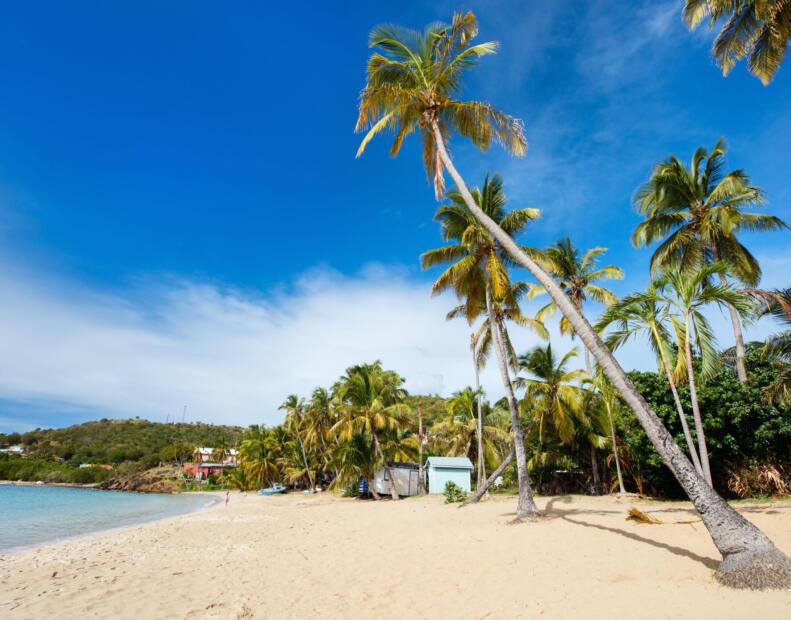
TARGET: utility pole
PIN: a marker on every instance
(422, 483)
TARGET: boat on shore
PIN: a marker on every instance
(273, 490)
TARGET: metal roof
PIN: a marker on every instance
(453, 462)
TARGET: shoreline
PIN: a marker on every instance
(214, 500)
(323, 556)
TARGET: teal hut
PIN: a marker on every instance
(442, 469)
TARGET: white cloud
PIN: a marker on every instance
(230, 356)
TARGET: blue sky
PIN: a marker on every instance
(182, 219)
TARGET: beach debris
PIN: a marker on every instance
(638, 516)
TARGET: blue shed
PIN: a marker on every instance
(442, 469)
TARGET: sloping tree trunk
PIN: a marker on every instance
(741, 372)
(526, 506)
(481, 461)
(489, 481)
(750, 558)
(371, 488)
(693, 451)
(621, 488)
(391, 480)
(693, 394)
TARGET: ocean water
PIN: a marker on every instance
(33, 516)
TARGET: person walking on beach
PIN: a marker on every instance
(227, 497)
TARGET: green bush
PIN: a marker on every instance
(453, 493)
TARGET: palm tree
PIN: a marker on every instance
(458, 430)
(410, 83)
(688, 294)
(698, 211)
(559, 407)
(295, 406)
(479, 274)
(258, 454)
(218, 455)
(644, 314)
(319, 418)
(759, 29)
(372, 402)
(577, 276)
(354, 458)
(607, 399)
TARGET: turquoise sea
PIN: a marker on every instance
(32, 516)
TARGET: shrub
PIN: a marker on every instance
(453, 493)
(754, 479)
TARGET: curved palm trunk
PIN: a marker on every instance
(371, 488)
(750, 558)
(390, 479)
(526, 506)
(741, 372)
(481, 462)
(693, 394)
(693, 451)
(594, 459)
(621, 488)
(489, 481)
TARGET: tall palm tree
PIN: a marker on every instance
(577, 276)
(608, 400)
(697, 212)
(295, 406)
(758, 29)
(319, 418)
(644, 314)
(688, 293)
(479, 274)
(412, 81)
(372, 402)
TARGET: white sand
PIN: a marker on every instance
(319, 556)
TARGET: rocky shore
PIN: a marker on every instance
(157, 480)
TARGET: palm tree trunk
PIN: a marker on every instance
(371, 488)
(621, 488)
(693, 451)
(594, 460)
(741, 372)
(693, 394)
(526, 506)
(391, 480)
(481, 462)
(750, 558)
(490, 480)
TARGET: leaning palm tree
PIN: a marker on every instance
(479, 275)
(413, 83)
(372, 403)
(688, 294)
(757, 29)
(295, 406)
(607, 400)
(644, 314)
(697, 213)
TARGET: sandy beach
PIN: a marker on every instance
(320, 556)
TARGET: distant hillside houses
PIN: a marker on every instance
(20, 450)
(205, 462)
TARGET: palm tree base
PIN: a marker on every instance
(756, 569)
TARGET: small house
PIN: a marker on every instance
(443, 469)
(405, 475)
